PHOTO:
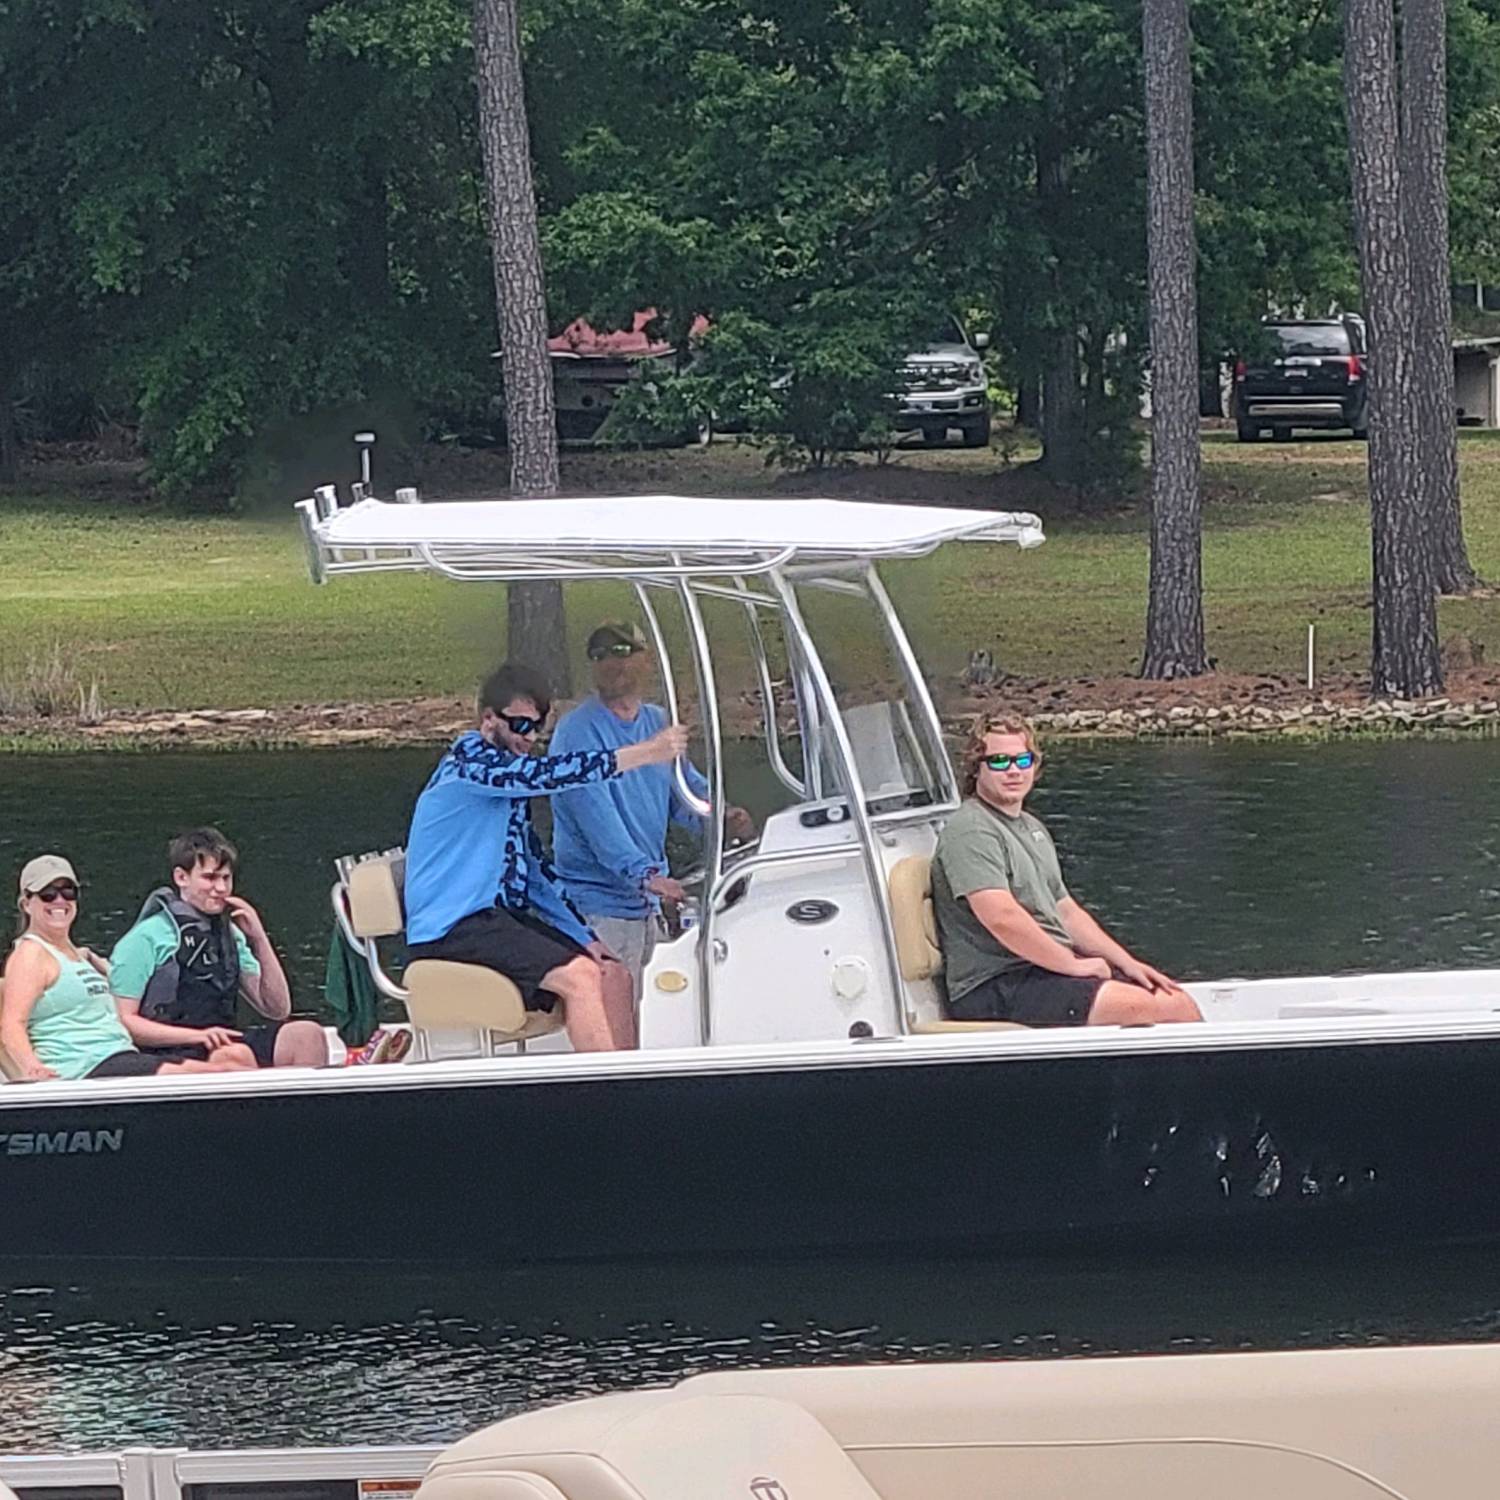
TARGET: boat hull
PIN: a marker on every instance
(1391, 1140)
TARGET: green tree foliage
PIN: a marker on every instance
(218, 217)
(294, 224)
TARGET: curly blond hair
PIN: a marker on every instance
(1001, 722)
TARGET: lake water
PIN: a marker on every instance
(1239, 859)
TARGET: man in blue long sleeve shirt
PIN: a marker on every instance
(479, 888)
(610, 837)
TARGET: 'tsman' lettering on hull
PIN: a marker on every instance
(62, 1142)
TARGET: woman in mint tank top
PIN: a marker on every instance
(57, 1016)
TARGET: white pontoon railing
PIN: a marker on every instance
(361, 1473)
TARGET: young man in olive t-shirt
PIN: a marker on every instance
(1016, 945)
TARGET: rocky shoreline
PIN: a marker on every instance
(1113, 708)
(1385, 717)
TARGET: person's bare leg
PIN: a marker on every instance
(300, 1044)
(192, 1065)
(1121, 1004)
(232, 1058)
(579, 987)
(619, 1004)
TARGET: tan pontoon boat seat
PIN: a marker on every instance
(917, 948)
(682, 1448)
(1340, 1424)
(441, 995)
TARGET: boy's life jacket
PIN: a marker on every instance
(200, 984)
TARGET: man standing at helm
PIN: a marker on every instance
(610, 839)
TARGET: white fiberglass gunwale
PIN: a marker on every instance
(999, 1048)
(634, 535)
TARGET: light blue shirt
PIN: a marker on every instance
(611, 837)
(472, 845)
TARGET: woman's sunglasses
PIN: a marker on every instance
(59, 890)
(522, 724)
(1022, 762)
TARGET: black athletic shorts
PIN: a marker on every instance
(1032, 996)
(516, 944)
(127, 1065)
(260, 1039)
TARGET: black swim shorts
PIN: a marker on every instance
(520, 946)
(1031, 996)
(260, 1039)
(130, 1064)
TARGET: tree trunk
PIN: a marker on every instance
(1062, 428)
(1028, 402)
(1404, 655)
(537, 628)
(1424, 186)
(1063, 434)
(1210, 390)
(10, 446)
(1174, 613)
(1095, 395)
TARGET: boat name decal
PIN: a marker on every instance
(62, 1142)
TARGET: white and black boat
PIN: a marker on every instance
(798, 1087)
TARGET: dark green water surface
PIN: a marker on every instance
(1209, 860)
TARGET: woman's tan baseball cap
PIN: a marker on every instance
(40, 872)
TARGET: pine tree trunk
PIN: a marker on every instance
(1028, 402)
(10, 446)
(1174, 615)
(537, 631)
(1424, 185)
(1404, 655)
(1211, 390)
(1062, 430)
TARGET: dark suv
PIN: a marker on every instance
(1302, 373)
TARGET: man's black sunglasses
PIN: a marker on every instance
(614, 648)
(522, 723)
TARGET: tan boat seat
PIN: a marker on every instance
(374, 890)
(917, 948)
(440, 995)
(645, 1447)
(445, 996)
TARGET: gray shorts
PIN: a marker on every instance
(632, 940)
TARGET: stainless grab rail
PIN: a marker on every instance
(669, 687)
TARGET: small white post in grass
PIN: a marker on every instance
(1312, 647)
(366, 441)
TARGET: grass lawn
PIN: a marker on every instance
(168, 610)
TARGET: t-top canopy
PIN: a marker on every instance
(634, 534)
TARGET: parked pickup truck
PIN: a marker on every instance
(1306, 372)
(944, 387)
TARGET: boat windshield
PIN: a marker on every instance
(883, 707)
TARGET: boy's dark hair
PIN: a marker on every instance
(197, 844)
(511, 681)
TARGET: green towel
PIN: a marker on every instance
(349, 991)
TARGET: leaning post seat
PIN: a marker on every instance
(917, 947)
(439, 995)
